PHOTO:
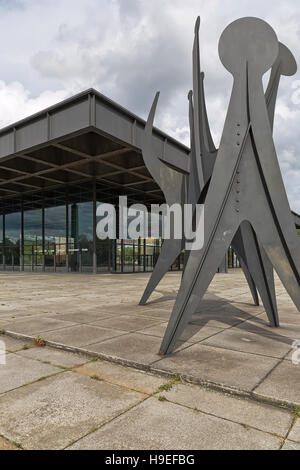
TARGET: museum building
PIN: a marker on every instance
(57, 166)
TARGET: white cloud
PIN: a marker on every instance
(17, 104)
(129, 49)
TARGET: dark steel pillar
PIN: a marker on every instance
(54, 254)
(43, 238)
(4, 242)
(122, 256)
(139, 253)
(67, 232)
(94, 228)
(133, 257)
(22, 238)
(223, 268)
(74, 235)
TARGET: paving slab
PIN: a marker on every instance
(55, 357)
(191, 334)
(43, 304)
(6, 445)
(247, 412)
(222, 366)
(134, 347)
(151, 311)
(247, 307)
(295, 432)
(289, 317)
(124, 376)
(81, 335)
(127, 322)
(287, 332)
(83, 316)
(289, 445)
(224, 317)
(37, 325)
(282, 384)
(13, 345)
(241, 340)
(155, 313)
(52, 413)
(166, 426)
(19, 371)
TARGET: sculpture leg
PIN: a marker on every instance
(250, 281)
(199, 272)
(261, 271)
(260, 268)
(279, 255)
(169, 252)
(223, 268)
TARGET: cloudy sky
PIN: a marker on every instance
(128, 50)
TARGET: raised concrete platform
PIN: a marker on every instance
(55, 399)
(227, 346)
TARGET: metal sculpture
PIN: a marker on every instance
(258, 271)
(188, 190)
(241, 185)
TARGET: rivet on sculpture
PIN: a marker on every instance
(240, 184)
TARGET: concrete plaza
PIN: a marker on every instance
(231, 377)
(54, 399)
(228, 344)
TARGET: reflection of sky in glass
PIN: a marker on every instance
(85, 220)
(13, 227)
(85, 215)
(32, 224)
(55, 222)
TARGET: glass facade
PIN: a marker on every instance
(55, 241)
(133, 256)
(57, 233)
(12, 240)
(233, 261)
(32, 255)
(81, 236)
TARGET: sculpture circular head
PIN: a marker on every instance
(287, 61)
(248, 40)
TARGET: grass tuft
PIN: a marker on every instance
(162, 398)
(95, 359)
(39, 342)
(168, 386)
(297, 411)
(95, 377)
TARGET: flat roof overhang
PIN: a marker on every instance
(84, 138)
(87, 137)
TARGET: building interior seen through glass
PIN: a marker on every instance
(56, 232)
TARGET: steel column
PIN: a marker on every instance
(94, 228)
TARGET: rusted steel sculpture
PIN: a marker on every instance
(240, 184)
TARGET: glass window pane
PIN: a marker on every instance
(55, 238)
(12, 240)
(81, 236)
(13, 229)
(33, 238)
